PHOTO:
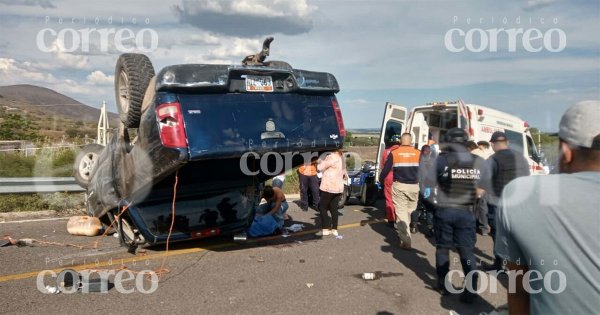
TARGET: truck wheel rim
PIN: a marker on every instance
(86, 164)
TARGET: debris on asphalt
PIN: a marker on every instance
(25, 242)
(371, 275)
(302, 261)
(260, 260)
(294, 228)
(84, 225)
(52, 290)
(339, 237)
(310, 285)
(7, 240)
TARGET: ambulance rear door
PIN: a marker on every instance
(394, 121)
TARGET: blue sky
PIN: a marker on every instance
(378, 50)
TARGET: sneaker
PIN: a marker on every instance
(334, 232)
(413, 229)
(405, 246)
(324, 232)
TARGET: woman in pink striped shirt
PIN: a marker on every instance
(332, 186)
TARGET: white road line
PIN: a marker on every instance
(34, 220)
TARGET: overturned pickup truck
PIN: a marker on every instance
(209, 135)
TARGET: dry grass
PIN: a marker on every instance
(365, 153)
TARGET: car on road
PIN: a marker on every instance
(196, 140)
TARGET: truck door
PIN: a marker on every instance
(419, 129)
(394, 120)
(464, 119)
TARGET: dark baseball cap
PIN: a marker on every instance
(498, 136)
(579, 124)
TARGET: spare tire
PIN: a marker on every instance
(84, 163)
(132, 75)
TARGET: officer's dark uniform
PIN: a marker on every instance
(458, 174)
(504, 165)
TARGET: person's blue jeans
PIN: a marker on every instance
(492, 210)
(279, 215)
(455, 228)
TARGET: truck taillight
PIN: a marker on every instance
(170, 124)
(338, 117)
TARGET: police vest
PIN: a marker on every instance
(509, 165)
(458, 183)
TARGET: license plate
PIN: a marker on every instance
(255, 83)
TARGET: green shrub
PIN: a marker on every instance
(52, 163)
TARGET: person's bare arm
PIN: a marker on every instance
(278, 199)
(518, 301)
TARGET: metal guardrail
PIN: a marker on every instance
(28, 185)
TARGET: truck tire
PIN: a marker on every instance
(344, 198)
(132, 75)
(368, 195)
(84, 163)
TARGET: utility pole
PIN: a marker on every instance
(102, 137)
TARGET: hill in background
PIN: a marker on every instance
(55, 114)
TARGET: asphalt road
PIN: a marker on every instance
(298, 274)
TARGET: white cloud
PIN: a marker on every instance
(42, 3)
(536, 4)
(98, 77)
(13, 72)
(66, 59)
(247, 18)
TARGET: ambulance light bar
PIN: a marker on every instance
(442, 103)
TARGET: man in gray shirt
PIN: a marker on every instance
(548, 226)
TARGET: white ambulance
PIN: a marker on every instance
(429, 123)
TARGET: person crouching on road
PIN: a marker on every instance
(332, 187)
(460, 176)
(405, 190)
(390, 213)
(276, 205)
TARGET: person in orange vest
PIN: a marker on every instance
(405, 190)
(390, 213)
(307, 175)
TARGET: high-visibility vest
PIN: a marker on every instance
(406, 164)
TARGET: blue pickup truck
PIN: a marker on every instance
(207, 135)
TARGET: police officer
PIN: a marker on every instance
(459, 175)
(505, 165)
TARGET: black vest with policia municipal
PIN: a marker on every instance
(458, 181)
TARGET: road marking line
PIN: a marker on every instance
(177, 252)
(34, 220)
